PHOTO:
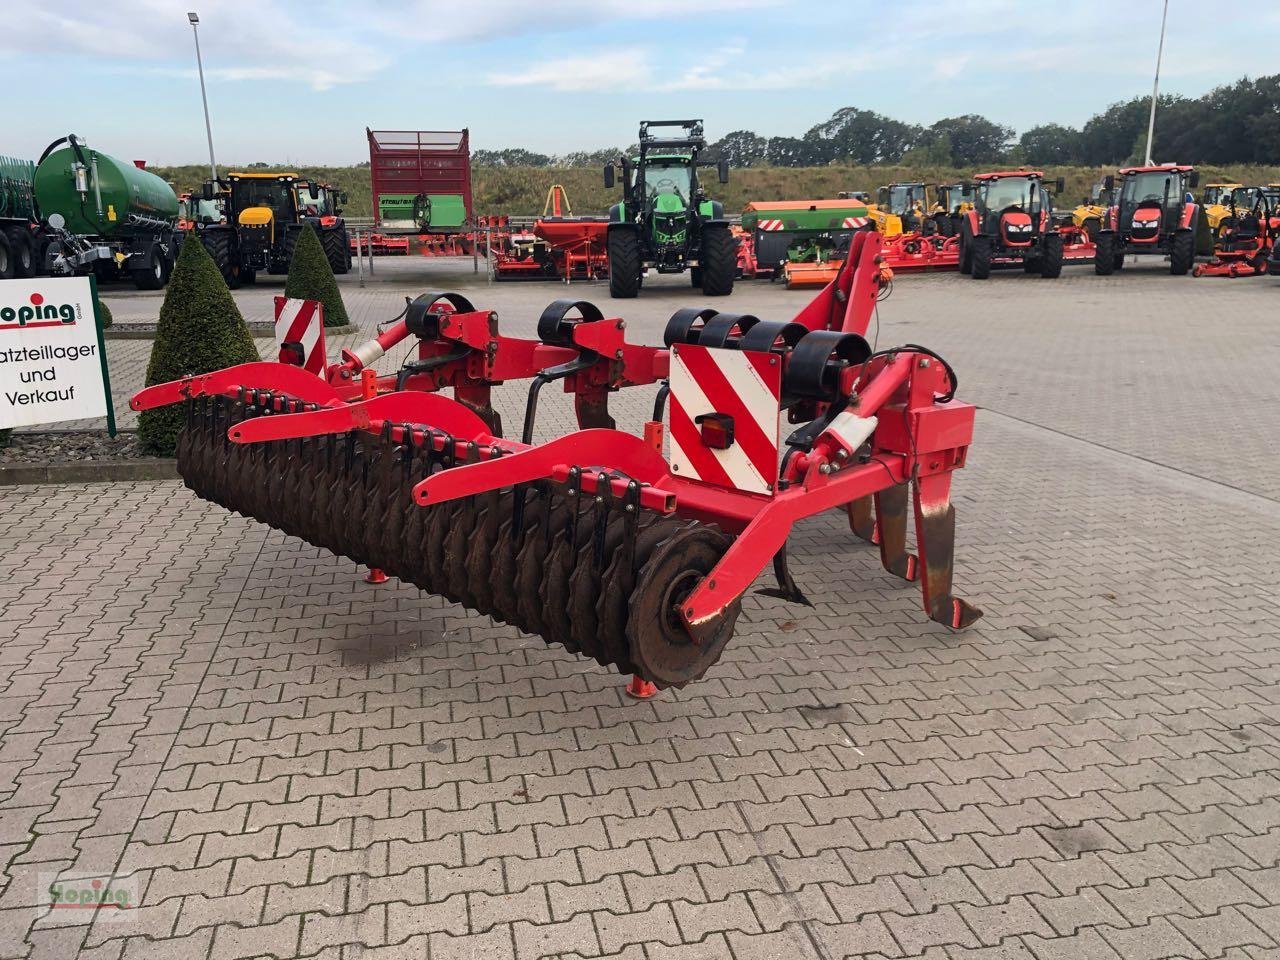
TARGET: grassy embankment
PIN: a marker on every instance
(521, 191)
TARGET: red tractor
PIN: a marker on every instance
(1011, 221)
(1155, 214)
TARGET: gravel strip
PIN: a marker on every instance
(63, 446)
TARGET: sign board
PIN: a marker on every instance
(52, 364)
(300, 334)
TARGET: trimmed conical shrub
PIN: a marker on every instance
(105, 312)
(311, 278)
(200, 330)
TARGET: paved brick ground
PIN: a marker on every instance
(279, 760)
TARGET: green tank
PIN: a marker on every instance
(99, 195)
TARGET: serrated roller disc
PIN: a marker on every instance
(661, 648)
(504, 558)
(493, 507)
(585, 586)
(529, 566)
(616, 586)
(462, 521)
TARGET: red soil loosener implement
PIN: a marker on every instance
(594, 540)
(560, 246)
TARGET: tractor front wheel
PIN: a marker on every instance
(1182, 253)
(980, 257)
(695, 276)
(624, 264)
(966, 251)
(719, 262)
(1104, 255)
(1051, 258)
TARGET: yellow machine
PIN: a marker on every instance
(899, 208)
(1216, 201)
(1092, 212)
(263, 214)
(951, 201)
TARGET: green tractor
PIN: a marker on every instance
(665, 220)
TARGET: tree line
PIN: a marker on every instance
(1235, 123)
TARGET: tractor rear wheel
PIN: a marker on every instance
(20, 249)
(218, 243)
(1182, 253)
(624, 264)
(1104, 255)
(1051, 258)
(1092, 226)
(695, 276)
(719, 262)
(980, 257)
(6, 258)
(336, 249)
(966, 250)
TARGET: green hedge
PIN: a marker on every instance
(311, 278)
(200, 330)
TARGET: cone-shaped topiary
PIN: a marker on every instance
(200, 330)
(311, 278)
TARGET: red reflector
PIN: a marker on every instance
(293, 354)
(717, 430)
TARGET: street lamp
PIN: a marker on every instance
(1155, 87)
(208, 129)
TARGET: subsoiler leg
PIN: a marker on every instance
(861, 520)
(891, 523)
(936, 541)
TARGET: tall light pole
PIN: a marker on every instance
(208, 129)
(1155, 87)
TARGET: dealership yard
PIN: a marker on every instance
(273, 758)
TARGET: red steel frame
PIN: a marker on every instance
(919, 435)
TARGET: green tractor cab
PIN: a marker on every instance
(665, 221)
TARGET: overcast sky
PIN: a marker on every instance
(298, 82)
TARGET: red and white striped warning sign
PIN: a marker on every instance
(853, 223)
(742, 388)
(769, 226)
(300, 324)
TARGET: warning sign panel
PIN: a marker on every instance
(51, 363)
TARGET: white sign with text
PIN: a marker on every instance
(50, 353)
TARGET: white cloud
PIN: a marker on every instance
(240, 39)
(447, 20)
(606, 70)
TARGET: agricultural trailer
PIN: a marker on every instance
(421, 181)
